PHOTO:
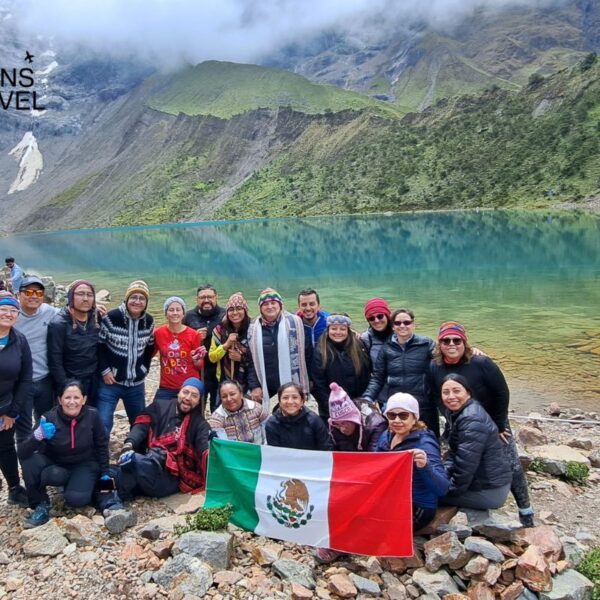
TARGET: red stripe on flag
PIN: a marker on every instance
(370, 503)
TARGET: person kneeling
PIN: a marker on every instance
(69, 449)
(163, 452)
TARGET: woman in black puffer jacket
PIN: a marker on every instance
(480, 475)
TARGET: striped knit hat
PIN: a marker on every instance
(452, 327)
(7, 299)
(137, 287)
(237, 300)
(269, 294)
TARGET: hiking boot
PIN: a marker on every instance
(526, 520)
(324, 555)
(18, 495)
(117, 521)
(39, 516)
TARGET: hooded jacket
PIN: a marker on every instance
(476, 460)
(15, 374)
(304, 431)
(77, 439)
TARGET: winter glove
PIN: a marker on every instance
(44, 431)
(127, 455)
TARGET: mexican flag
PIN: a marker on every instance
(357, 502)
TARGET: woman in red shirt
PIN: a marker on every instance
(180, 350)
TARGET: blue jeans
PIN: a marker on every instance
(109, 395)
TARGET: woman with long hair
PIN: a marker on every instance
(453, 354)
(229, 344)
(340, 358)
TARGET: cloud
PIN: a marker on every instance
(174, 31)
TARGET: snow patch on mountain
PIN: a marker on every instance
(30, 160)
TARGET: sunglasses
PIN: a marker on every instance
(451, 341)
(400, 323)
(403, 416)
(372, 318)
(33, 293)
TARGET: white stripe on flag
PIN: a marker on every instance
(281, 495)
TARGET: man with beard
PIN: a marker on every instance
(163, 452)
(204, 318)
(313, 318)
(73, 340)
(280, 352)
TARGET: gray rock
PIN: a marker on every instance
(474, 517)
(581, 443)
(294, 572)
(584, 535)
(594, 459)
(574, 550)
(439, 583)
(390, 580)
(47, 540)
(4, 560)
(498, 527)
(189, 574)
(569, 585)
(485, 548)
(528, 595)
(461, 531)
(366, 586)
(150, 532)
(117, 521)
(215, 548)
(554, 458)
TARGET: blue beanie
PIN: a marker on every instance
(9, 300)
(194, 382)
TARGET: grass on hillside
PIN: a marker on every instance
(472, 152)
(226, 89)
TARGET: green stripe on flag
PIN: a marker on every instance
(233, 469)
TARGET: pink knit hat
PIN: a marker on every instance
(341, 408)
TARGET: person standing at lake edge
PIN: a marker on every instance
(377, 313)
(33, 321)
(73, 340)
(125, 350)
(279, 350)
(204, 318)
(16, 274)
(453, 354)
(313, 318)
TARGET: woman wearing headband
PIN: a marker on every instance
(340, 357)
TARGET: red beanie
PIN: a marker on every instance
(452, 327)
(377, 306)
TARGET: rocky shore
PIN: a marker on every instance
(474, 555)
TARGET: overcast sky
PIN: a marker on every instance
(171, 31)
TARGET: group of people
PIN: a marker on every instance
(378, 391)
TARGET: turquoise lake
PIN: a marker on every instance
(526, 285)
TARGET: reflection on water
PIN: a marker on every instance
(525, 284)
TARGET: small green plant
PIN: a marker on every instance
(590, 568)
(536, 465)
(577, 473)
(206, 519)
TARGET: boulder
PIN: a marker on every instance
(484, 547)
(294, 572)
(342, 586)
(151, 532)
(461, 531)
(439, 583)
(213, 547)
(498, 527)
(81, 531)
(574, 550)
(46, 540)
(266, 554)
(554, 409)
(532, 569)
(581, 443)
(186, 573)
(546, 539)
(479, 590)
(554, 458)
(445, 549)
(365, 586)
(531, 436)
(299, 592)
(513, 591)
(478, 565)
(162, 549)
(594, 459)
(117, 521)
(569, 585)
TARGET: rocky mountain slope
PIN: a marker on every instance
(119, 144)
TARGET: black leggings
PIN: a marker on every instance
(422, 516)
(78, 480)
(8, 457)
